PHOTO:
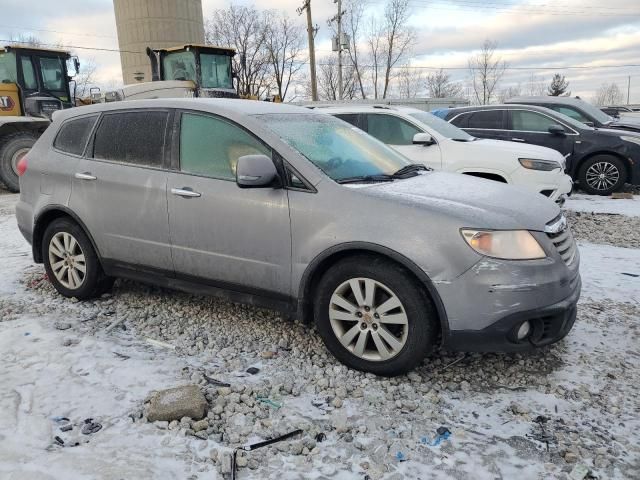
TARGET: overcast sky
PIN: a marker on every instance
(529, 33)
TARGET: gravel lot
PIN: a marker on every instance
(533, 416)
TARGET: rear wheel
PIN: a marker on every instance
(374, 317)
(71, 261)
(602, 175)
(12, 148)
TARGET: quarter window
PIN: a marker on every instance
(210, 146)
(527, 121)
(489, 120)
(131, 137)
(391, 130)
(73, 136)
(351, 118)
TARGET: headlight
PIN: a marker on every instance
(504, 244)
(533, 164)
(635, 140)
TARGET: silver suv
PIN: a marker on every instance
(287, 208)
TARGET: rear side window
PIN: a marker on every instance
(73, 135)
(131, 137)
(211, 147)
(489, 119)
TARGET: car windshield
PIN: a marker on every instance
(179, 66)
(338, 149)
(444, 128)
(216, 70)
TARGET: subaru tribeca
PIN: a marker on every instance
(291, 209)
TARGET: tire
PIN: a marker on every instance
(602, 175)
(12, 148)
(414, 339)
(64, 236)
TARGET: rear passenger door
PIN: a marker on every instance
(238, 239)
(527, 126)
(483, 124)
(119, 189)
(398, 133)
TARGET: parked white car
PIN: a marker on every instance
(429, 140)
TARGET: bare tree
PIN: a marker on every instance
(328, 80)
(85, 79)
(24, 40)
(244, 29)
(285, 45)
(535, 86)
(409, 82)
(509, 92)
(439, 85)
(352, 23)
(399, 37)
(375, 47)
(486, 70)
(608, 94)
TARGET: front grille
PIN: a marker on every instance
(560, 234)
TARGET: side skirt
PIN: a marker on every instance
(200, 286)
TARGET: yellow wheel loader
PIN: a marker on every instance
(34, 83)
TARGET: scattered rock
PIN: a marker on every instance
(175, 403)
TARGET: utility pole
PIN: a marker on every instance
(339, 49)
(311, 31)
(629, 90)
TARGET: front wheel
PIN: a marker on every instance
(602, 175)
(71, 262)
(374, 316)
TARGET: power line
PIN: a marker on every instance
(518, 9)
(55, 45)
(56, 31)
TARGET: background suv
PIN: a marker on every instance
(601, 160)
(581, 111)
(284, 207)
(427, 139)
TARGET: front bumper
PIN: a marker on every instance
(549, 325)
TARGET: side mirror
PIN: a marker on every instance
(256, 171)
(423, 139)
(589, 124)
(556, 130)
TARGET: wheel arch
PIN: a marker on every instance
(321, 263)
(44, 219)
(625, 161)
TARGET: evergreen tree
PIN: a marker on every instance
(558, 86)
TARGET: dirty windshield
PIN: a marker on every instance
(338, 149)
(444, 128)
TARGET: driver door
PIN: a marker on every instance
(398, 134)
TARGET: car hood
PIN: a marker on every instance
(613, 132)
(519, 150)
(626, 123)
(476, 202)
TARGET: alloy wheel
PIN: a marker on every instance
(67, 260)
(368, 319)
(602, 176)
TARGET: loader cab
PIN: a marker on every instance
(210, 68)
(34, 81)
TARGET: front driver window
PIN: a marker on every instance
(526, 121)
(211, 147)
(391, 130)
(570, 112)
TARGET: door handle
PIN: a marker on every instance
(518, 140)
(185, 192)
(85, 176)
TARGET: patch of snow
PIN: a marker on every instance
(598, 204)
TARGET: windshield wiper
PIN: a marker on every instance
(409, 169)
(367, 178)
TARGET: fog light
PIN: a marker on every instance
(524, 330)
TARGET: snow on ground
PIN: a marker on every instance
(585, 387)
(580, 202)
